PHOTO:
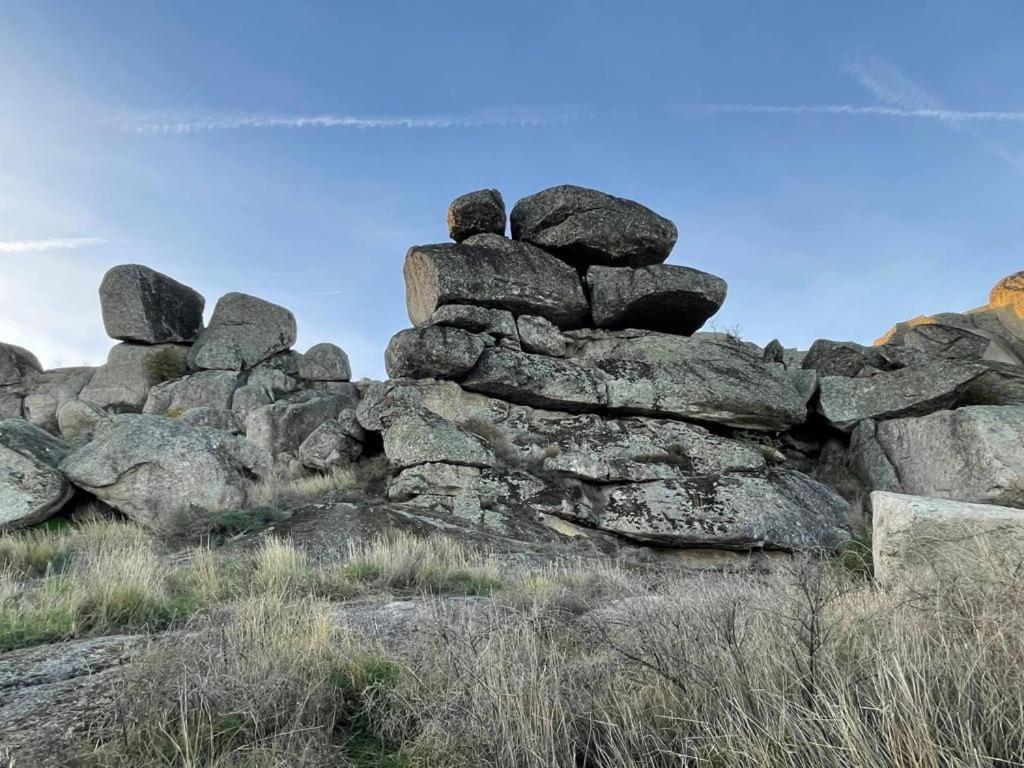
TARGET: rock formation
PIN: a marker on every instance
(556, 380)
(557, 373)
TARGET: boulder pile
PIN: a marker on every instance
(554, 372)
(558, 373)
(180, 416)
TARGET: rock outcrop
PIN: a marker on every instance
(584, 226)
(142, 305)
(556, 374)
(243, 331)
(156, 470)
(32, 488)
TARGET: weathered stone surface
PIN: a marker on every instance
(212, 417)
(973, 454)
(123, 383)
(445, 398)
(843, 358)
(77, 419)
(584, 226)
(212, 389)
(142, 305)
(266, 386)
(334, 443)
(537, 380)
(487, 496)
(154, 469)
(585, 446)
(918, 541)
(779, 509)
(16, 363)
(476, 213)
(282, 426)
(907, 392)
(701, 378)
(47, 392)
(955, 339)
(540, 336)
(325, 362)
(499, 323)
(32, 488)
(661, 297)
(602, 450)
(414, 437)
(243, 331)
(491, 271)
(287, 363)
(433, 351)
(1009, 292)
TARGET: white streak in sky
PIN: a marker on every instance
(198, 122)
(54, 244)
(954, 116)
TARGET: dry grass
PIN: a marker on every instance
(286, 487)
(560, 666)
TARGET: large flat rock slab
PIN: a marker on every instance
(490, 271)
(920, 542)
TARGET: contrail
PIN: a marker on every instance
(53, 244)
(198, 122)
(946, 115)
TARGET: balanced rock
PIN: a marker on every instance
(142, 305)
(476, 213)
(324, 362)
(584, 226)
(154, 469)
(244, 331)
(916, 540)
(334, 443)
(433, 351)
(973, 454)
(16, 363)
(490, 271)
(32, 488)
(122, 385)
(661, 297)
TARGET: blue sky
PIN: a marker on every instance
(842, 165)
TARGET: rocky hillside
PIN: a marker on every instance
(556, 377)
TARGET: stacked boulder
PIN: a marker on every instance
(181, 415)
(557, 373)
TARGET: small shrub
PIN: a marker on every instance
(166, 364)
(174, 413)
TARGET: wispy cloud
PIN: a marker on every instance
(201, 121)
(52, 244)
(946, 115)
(894, 88)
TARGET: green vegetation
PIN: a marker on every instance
(167, 364)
